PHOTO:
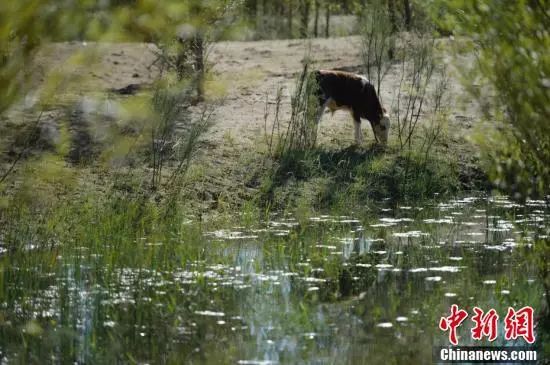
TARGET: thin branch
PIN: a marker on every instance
(22, 153)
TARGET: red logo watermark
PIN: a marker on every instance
(452, 322)
(516, 324)
(485, 324)
(519, 324)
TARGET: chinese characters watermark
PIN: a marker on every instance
(516, 324)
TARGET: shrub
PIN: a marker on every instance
(511, 55)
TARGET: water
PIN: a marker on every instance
(325, 290)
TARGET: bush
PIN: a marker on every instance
(511, 45)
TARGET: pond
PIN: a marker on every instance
(316, 290)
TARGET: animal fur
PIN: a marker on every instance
(344, 90)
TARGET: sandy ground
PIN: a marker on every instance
(254, 71)
(243, 76)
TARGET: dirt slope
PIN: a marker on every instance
(243, 74)
(253, 70)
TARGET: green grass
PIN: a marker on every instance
(351, 177)
(92, 244)
(421, 163)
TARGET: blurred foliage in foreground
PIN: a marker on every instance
(38, 182)
(27, 24)
(511, 41)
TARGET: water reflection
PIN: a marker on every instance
(336, 290)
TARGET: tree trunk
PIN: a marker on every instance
(251, 8)
(316, 23)
(281, 13)
(393, 21)
(408, 14)
(327, 19)
(198, 52)
(345, 5)
(393, 18)
(289, 20)
(304, 9)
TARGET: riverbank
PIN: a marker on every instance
(88, 143)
